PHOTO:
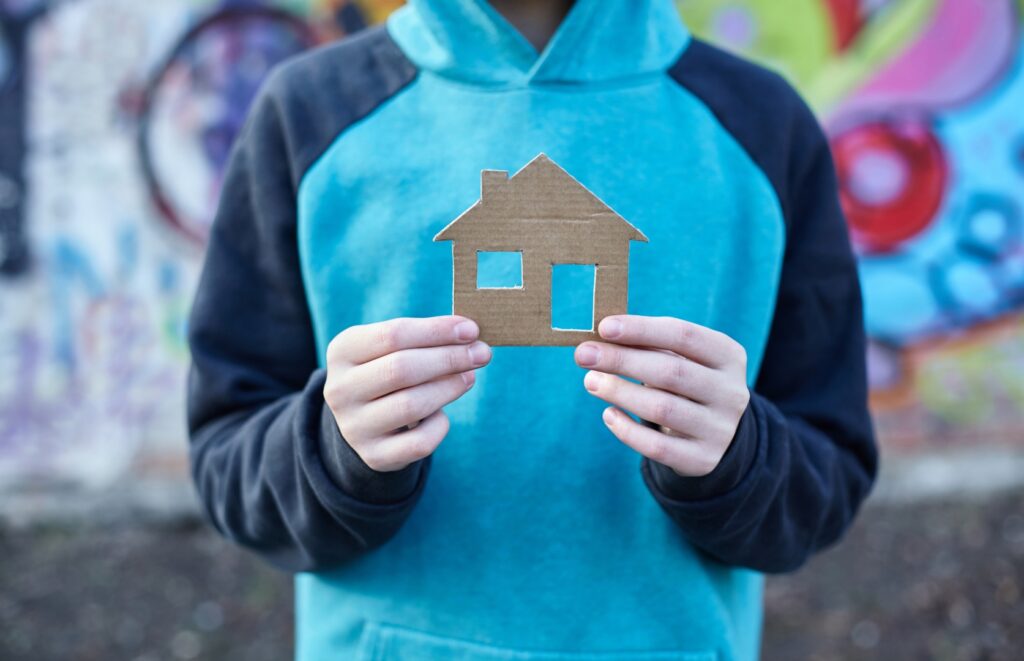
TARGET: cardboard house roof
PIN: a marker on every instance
(538, 198)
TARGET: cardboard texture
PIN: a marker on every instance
(550, 218)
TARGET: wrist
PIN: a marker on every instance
(351, 475)
(726, 476)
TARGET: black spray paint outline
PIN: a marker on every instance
(15, 254)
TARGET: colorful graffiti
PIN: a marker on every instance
(923, 102)
(112, 150)
(111, 153)
(194, 106)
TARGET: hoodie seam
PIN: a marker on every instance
(724, 128)
(356, 121)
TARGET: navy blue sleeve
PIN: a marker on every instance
(804, 457)
(271, 468)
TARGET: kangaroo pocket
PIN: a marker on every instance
(389, 643)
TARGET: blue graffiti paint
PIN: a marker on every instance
(127, 251)
(968, 265)
(72, 276)
(168, 278)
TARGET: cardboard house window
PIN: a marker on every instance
(572, 296)
(499, 270)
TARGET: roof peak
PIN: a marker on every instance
(540, 168)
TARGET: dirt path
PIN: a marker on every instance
(941, 581)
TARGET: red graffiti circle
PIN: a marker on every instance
(891, 179)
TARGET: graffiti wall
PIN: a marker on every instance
(924, 104)
(116, 118)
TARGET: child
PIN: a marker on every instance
(515, 524)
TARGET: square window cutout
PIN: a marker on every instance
(499, 270)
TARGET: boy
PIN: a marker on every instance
(514, 524)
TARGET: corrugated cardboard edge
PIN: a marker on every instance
(551, 218)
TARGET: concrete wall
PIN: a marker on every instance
(115, 121)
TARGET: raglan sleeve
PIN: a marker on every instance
(271, 468)
(804, 456)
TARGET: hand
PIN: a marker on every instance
(386, 384)
(694, 388)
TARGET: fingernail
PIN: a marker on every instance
(466, 331)
(608, 416)
(591, 381)
(469, 378)
(588, 355)
(479, 353)
(610, 328)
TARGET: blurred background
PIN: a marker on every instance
(116, 118)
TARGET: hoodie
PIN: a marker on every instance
(531, 533)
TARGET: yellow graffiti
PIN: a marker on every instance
(796, 37)
(968, 382)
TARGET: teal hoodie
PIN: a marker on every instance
(532, 533)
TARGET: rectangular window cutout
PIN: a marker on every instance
(499, 270)
(572, 296)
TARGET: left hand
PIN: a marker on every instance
(694, 387)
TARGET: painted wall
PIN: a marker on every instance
(116, 117)
(924, 103)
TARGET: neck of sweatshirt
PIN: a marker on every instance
(598, 41)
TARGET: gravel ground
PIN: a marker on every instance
(938, 581)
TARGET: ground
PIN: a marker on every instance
(936, 581)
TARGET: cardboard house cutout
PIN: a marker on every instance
(549, 219)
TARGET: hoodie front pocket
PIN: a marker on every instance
(382, 642)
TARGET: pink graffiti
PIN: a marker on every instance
(967, 44)
(892, 180)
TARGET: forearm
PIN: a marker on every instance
(264, 484)
(798, 494)
(347, 469)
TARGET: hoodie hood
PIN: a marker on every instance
(599, 40)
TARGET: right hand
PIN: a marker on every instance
(386, 384)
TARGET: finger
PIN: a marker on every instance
(684, 456)
(360, 344)
(412, 405)
(411, 367)
(397, 451)
(699, 343)
(660, 369)
(677, 413)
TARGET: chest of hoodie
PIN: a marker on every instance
(370, 207)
